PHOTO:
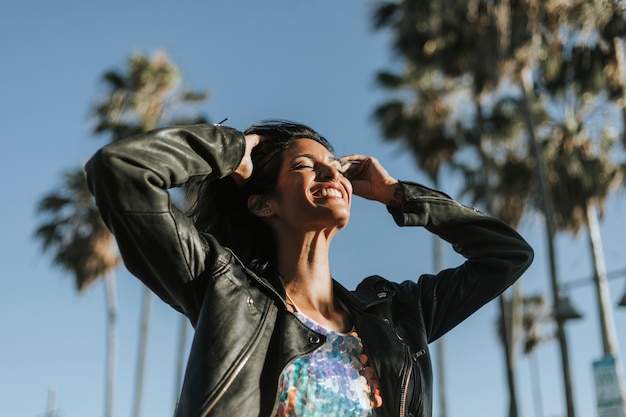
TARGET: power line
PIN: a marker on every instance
(620, 273)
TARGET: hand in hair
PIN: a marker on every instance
(244, 170)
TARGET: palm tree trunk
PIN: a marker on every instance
(546, 200)
(507, 323)
(180, 359)
(507, 319)
(536, 384)
(141, 356)
(111, 301)
(441, 370)
(50, 412)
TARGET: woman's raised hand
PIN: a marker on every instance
(370, 180)
(243, 172)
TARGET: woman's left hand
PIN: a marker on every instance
(370, 180)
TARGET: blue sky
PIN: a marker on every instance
(312, 62)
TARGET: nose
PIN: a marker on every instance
(329, 172)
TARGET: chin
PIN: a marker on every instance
(342, 225)
(343, 221)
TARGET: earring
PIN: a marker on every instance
(268, 211)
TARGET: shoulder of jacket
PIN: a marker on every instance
(374, 284)
(219, 256)
(374, 290)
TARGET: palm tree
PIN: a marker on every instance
(486, 53)
(582, 176)
(81, 244)
(579, 153)
(443, 67)
(139, 99)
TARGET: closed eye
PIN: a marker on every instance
(306, 162)
(302, 166)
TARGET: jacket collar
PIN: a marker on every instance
(361, 300)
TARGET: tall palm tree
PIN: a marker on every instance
(442, 67)
(583, 175)
(138, 100)
(579, 154)
(484, 51)
(81, 244)
(459, 49)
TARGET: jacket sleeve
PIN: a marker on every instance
(130, 180)
(496, 256)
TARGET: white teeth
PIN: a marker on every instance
(330, 192)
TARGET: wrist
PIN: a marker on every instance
(393, 194)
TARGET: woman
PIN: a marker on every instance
(275, 335)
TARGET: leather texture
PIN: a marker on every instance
(244, 334)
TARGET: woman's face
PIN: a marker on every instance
(311, 192)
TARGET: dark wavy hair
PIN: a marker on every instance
(220, 207)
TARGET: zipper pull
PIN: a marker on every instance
(419, 353)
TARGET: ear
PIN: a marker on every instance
(260, 206)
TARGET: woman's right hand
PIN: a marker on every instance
(371, 180)
(243, 172)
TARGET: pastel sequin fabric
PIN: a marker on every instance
(334, 380)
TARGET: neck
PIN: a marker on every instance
(303, 262)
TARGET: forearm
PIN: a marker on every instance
(496, 255)
(488, 243)
(133, 174)
(130, 180)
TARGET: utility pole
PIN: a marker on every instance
(607, 323)
(605, 310)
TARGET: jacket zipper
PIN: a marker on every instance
(405, 384)
(242, 362)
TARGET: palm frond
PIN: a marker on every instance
(115, 80)
(73, 231)
(385, 14)
(189, 96)
(389, 80)
(390, 116)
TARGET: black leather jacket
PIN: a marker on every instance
(244, 335)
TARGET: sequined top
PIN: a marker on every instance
(334, 380)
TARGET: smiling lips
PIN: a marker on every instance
(328, 192)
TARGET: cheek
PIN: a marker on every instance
(348, 186)
(290, 193)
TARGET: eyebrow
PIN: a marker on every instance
(312, 157)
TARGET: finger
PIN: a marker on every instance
(353, 157)
(348, 161)
(348, 165)
(358, 171)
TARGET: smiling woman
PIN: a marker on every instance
(275, 334)
(309, 180)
